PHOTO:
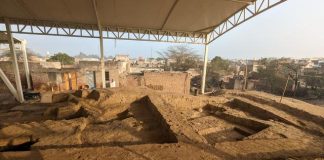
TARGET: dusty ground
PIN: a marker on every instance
(144, 124)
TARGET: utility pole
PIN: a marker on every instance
(284, 91)
(245, 75)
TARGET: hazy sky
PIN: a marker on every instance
(292, 29)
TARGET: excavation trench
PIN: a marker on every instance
(217, 126)
(18, 144)
(140, 123)
(259, 112)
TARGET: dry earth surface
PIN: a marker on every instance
(139, 123)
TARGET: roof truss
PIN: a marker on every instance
(240, 17)
(142, 34)
(109, 32)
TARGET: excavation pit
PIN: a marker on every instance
(217, 126)
(140, 123)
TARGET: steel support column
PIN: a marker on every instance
(11, 88)
(102, 62)
(203, 79)
(25, 58)
(14, 63)
(102, 58)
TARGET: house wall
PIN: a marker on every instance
(238, 84)
(7, 68)
(94, 66)
(114, 75)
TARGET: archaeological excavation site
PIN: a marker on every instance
(145, 124)
(71, 90)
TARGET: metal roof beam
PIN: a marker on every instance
(38, 27)
(169, 13)
(241, 1)
(240, 17)
(97, 14)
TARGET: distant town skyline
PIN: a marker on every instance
(293, 29)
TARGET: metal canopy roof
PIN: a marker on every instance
(163, 20)
(172, 15)
(180, 21)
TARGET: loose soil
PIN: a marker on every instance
(140, 123)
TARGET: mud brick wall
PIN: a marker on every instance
(95, 66)
(166, 129)
(133, 81)
(7, 68)
(114, 74)
(40, 81)
(168, 81)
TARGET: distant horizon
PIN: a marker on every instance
(131, 57)
(157, 56)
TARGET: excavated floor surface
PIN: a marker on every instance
(140, 123)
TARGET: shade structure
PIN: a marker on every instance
(172, 15)
(179, 21)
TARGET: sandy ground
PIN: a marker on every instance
(144, 124)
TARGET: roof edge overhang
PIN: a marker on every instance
(202, 36)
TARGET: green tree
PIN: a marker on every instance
(182, 58)
(219, 67)
(274, 77)
(61, 57)
(313, 81)
(159, 59)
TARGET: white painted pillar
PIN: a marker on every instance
(12, 89)
(102, 58)
(14, 62)
(102, 61)
(203, 79)
(24, 52)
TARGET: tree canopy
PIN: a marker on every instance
(219, 67)
(180, 58)
(61, 57)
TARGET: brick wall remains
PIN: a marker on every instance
(131, 80)
(168, 81)
(176, 82)
(7, 68)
